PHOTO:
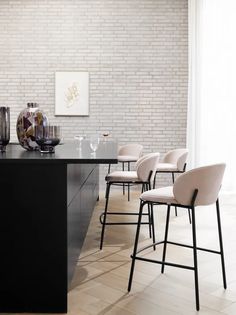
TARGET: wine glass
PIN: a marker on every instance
(94, 142)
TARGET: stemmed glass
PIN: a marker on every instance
(94, 142)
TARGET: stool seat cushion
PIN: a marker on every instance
(166, 167)
(127, 158)
(162, 195)
(123, 176)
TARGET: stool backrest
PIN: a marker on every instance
(131, 149)
(146, 164)
(144, 157)
(206, 179)
(177, 157)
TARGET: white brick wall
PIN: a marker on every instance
(135, 52)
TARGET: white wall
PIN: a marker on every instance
(135, 52)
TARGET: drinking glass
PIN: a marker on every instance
(80, 138)
(105, 134)
(4, 127)
(47, 137)
(94, 142)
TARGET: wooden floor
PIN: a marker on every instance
(100, 283)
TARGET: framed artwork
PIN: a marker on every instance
(71, 93)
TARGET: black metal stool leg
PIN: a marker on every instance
(221, 243)
(165, 238)
(123, 168)
(128, 184)
(109, 168)
(195, 259)
(176, 213)
(105, 214)
(145, 188)
(135, 245)
(154, 181)
(173, 177)
(153, 228)
(149, 187)
(189, 216)
(173, 180)
(150, 221)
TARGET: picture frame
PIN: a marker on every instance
(71, 93)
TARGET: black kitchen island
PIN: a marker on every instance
(46, 204)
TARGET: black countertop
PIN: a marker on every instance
(68, 153)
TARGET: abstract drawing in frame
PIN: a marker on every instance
(71, 93)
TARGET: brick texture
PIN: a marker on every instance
(135, 52)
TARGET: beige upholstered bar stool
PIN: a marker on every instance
(173, 162)
(144, 174)
(126, 155)
(198, 187)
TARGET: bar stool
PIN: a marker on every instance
(173, 162)
(145, 170)
(198, 187)
(127, 154)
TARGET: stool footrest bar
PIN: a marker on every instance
(178, 244)
(124, 223)
(198, 248)
(119, 213)
(164, 263)
(148, 246)
(124, 213)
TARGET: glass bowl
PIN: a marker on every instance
(47, 137)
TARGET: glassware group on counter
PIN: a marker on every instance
(94, 141)
(33, 130)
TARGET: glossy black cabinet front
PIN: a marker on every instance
(46, 205)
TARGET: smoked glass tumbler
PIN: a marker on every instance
(4, 127)
(47, 137)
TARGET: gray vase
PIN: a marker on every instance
(4, 127)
